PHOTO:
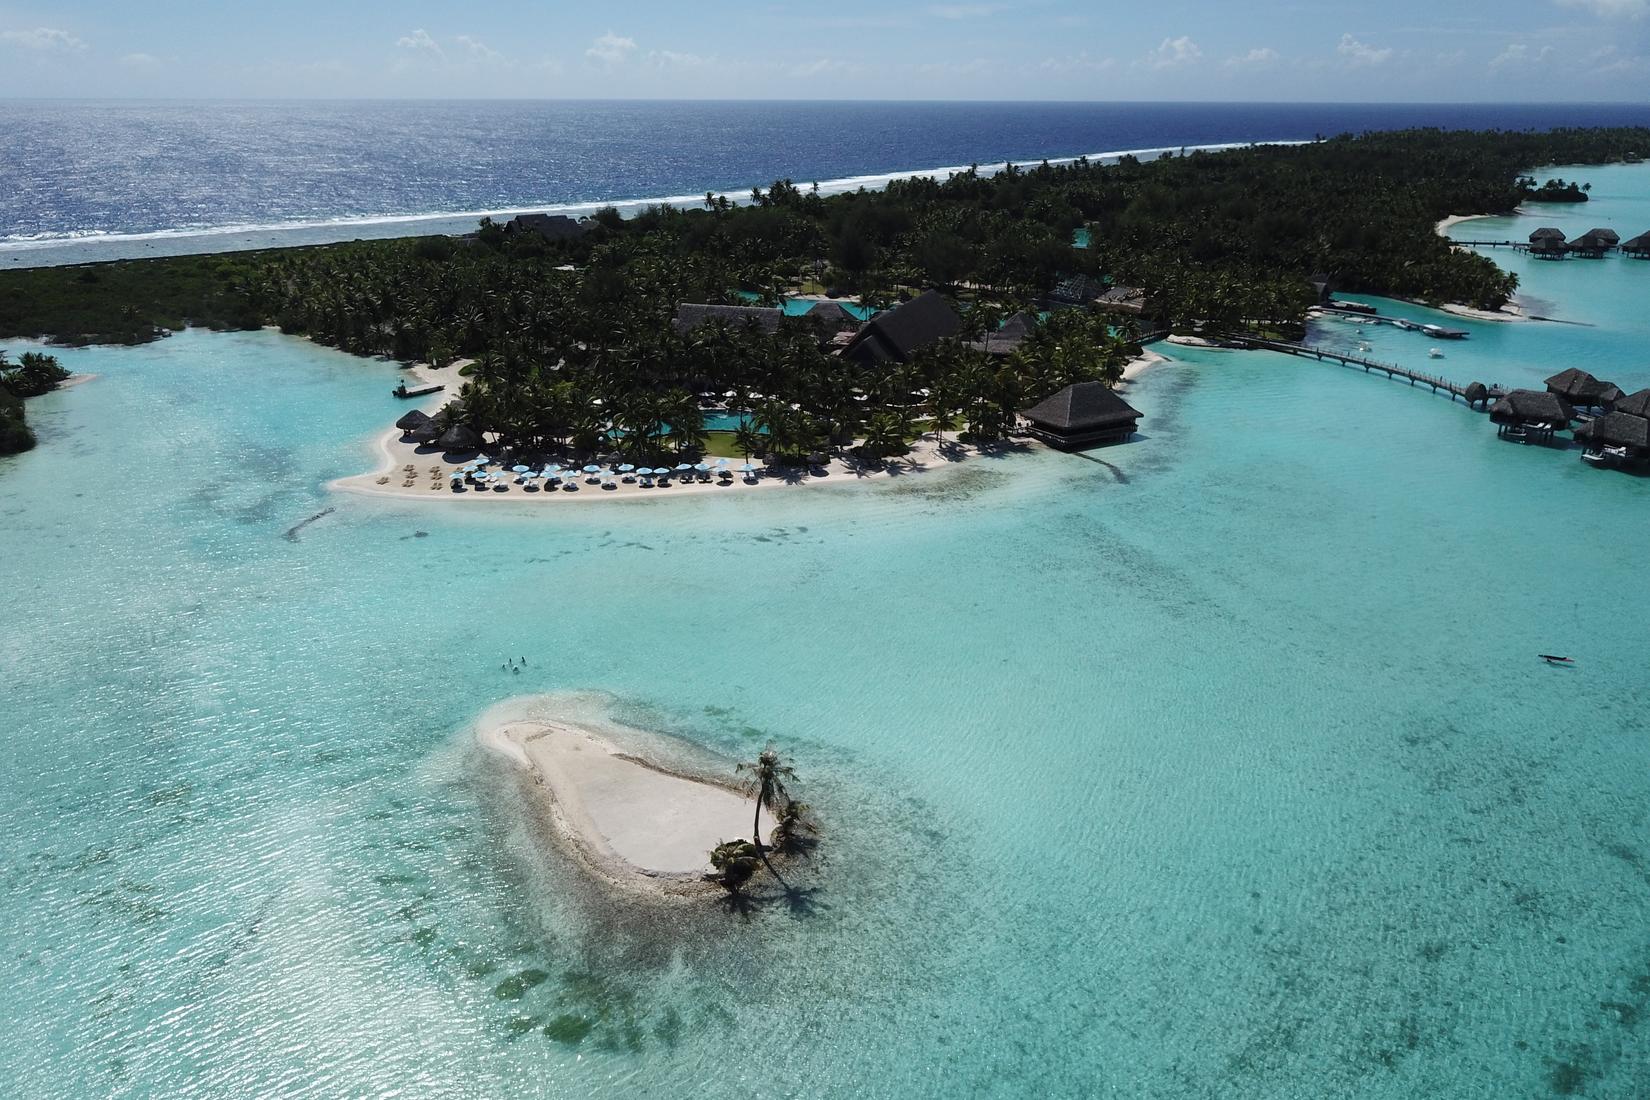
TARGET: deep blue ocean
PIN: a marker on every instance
(85, 180)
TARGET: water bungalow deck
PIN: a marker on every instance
(1370, 366)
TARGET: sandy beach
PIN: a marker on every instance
(431, 471)
(632, 822)
(1446, 224)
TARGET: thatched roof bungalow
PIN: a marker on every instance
(1080, 416)
(460, 439)
(1595, 243)
(690, 316)
(1627, 436)
(415, 419)
(1638, 247)
(1476, 393)
(1527, 414)
(895, 335)
(1547, 233)
(1583, 390)
(1008, 337)
(1634, 404)
(830, 318)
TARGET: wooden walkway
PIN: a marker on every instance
(1370, 366)
(1518, 246)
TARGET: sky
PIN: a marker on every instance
(1260, 50)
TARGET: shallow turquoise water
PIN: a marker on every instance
(1221, 767)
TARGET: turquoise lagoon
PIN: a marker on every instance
(1219, 767)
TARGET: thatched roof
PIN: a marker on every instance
(1615, 429)
(830, 318)
(1476, 392)
(459, 438)
(1531, 407)
(1636, 404)
(1547, 233)
(552, 227)
(690, 316)
(1609, 235)
(415, 419)
(1009, 335)
(1640, 243)
(901, 332)
(1580, 388)
(1596, 240)
(1077, 290)
(1082, 407)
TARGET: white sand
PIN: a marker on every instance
(633, 823)
(1445, 225)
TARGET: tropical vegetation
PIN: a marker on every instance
(33, 374)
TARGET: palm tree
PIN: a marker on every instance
(735, 861)
(767, 782)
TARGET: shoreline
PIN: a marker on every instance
(1512, 311)
(634, 824)
(432, 470)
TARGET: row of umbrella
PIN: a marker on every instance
(478, 472)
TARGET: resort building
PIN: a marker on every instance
(1635, 404)
(1528, 415)
(1638, 247)
(690, 316)
(1548, 244)
(1616, 437)
(1582, 390)
(1078, 290)
(1080, 416)
(831, 318)
(1123, 299)
(1008, 337)
(895, 335)
(552, 227)
(1595, 243)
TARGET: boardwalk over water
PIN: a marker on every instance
(1370, 366)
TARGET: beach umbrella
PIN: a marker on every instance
(748, 467)
(683, 467)
(592, 469)
(702, 467)
(626, 468)
(519, 469)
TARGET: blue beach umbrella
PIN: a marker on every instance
(748, 467)
(626, 468)
(519, 469)
(702, 467)
(683, 467)
(592, 469)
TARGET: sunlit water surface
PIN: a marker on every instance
(1221, 767)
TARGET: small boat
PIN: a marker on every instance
(1434, 353)
(1439, 332)
(1554, 659)
(1594, 457)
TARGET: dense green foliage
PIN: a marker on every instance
(1554, 190)
(572, 338)
(32, 375)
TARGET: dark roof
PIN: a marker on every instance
(901, 332)
(1596, 238)
(1078, 290)
(1615, 429)
(415, 419)
(1639, 243)
(1547, 233)
(1580, 388)
(1009, 335)
(459, 438)
(1604, 235)
(690, 317)
(832, 317)
(1532, 406)
(1082, 407)
(552, 227)
(1637, 404)
(1476, 391)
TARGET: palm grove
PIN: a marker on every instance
(573, 339)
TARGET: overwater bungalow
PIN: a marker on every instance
(1582, 390)
(1548, 243)
(690, 316)
(1477, 394)
(1530, 416)
(1634, 404)
(1594, 243)
(1087, 414)
(1638, 247)
(1616, 438)
(895, 335)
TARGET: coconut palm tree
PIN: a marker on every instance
(735, 862)
(767, 783)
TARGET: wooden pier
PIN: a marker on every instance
(1516, 246)
(1369, 366)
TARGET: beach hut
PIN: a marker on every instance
(1530, 415)
(1476, 394)
(459, 439)
(895, 335)
(1616, 437)
(1582, 390)
(1638, 247)
(690, 316)
(413, 420)
(1083, 415)
(1634, 404)
(1548, 244)
(1547, 233)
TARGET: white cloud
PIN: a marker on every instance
(142, 62)
(1359, 53)
(964, 11)
(43, 39)
(1612, 9)
(1611, 61)
(1259, 58)
(1518, 55)
(611, 49)
(671, 59)
(1175, 52)
(421, 41)
(476, 48)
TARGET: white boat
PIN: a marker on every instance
(1434, 353)
(1594, 457)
